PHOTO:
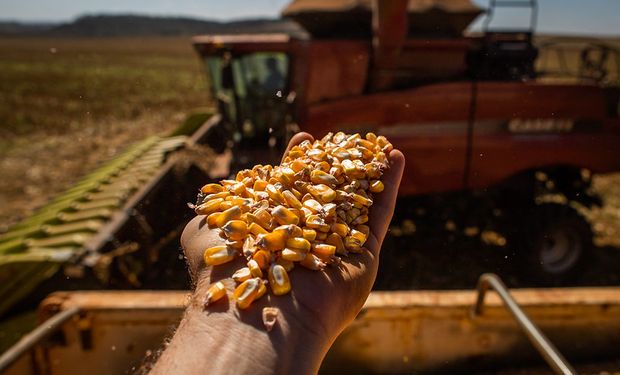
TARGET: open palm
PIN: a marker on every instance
(322, 302)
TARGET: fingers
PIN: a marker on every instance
(297, 139)
(383, 207)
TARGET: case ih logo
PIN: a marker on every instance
(540, 125)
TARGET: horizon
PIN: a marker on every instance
(555, 17)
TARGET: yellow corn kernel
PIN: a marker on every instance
(217, 255)
(223, 206)
(352, 244)
(315, 222)
(361, 219)
(340, 228)
(242, 274)
(225, 216)
(214, 293)
(298, 243)
(275, 194)
(298, 165)
(287, 264)
(292, 255)
(254, 268)
(323, 250)
(249, 247)
(284, 216)
(213, 218)
(291, 199)
(221, 194)
(312, 262)
(287, 175)
(209, 207)
(256, 229)
(322, 192)
(362, 200)
(313, 205)
(246, 292)
(316, 154)
(329, 211)
(262, 289)
(262, 258)
(372, 137)
(261, 217)
(235, 244)
(211, 188)
(360, 236)
(235, 230)
(318, 176)
(366, 144)
(273, 241)
(321, 236)
(350, 169)
(376, 186)
(278, 280)
(336, 241)
(309, 234)
(259, 185)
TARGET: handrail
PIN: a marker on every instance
(35, 336)
(549, 352)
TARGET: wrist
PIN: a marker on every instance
(233, 338)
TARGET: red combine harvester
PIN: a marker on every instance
(470, 113)
(484, 133)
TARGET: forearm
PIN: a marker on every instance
(222, 339)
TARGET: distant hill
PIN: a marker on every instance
(139, 26)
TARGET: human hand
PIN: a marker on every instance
(321, 304)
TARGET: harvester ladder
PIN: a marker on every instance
(493, 4)
(549, 352)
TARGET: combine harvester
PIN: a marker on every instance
(471, 113)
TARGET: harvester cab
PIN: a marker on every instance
(249, 78)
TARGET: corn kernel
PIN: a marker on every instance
(278, 280)
(298, 243)
(293, 255)
(262, 259)
(376, 186)
(323, 250)
(309, 234)
(242, 274)
(254, 268)
(217, 255)
(235, 230)
(211, 188)
(291, 199)
(214, 293)
(246, 292)
(284, 216)
(336, 241)
(256, 229)
(312, 262)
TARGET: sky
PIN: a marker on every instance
(592, 17)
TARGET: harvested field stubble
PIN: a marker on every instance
(67, 104)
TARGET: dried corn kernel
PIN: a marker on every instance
(214, 293)
(246, 292)
(278, 280)
(217, 255)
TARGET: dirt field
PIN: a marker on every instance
(66, 105)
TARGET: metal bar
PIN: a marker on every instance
(549, 352)
(31, 339)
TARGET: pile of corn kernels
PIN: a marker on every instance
(308, 211)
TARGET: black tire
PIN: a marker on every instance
(553, 246)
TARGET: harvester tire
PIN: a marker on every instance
(554, 244)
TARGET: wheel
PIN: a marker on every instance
(553, 245)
